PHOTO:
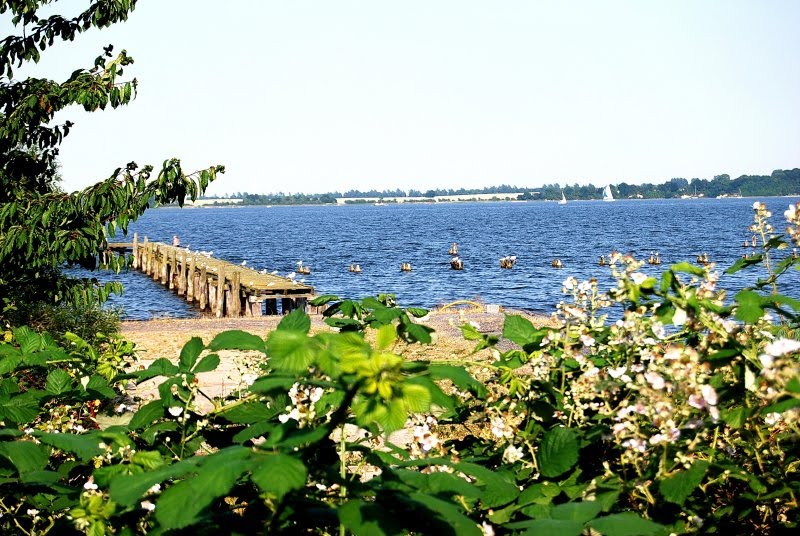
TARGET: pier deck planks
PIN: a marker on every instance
(195, 276)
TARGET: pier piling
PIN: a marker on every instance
(217, 287)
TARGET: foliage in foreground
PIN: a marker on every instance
(681, 416)
(41, 227)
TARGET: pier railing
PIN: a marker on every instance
(216, 286)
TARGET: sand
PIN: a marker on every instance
(165, 338)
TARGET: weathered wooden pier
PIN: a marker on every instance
(214, 285)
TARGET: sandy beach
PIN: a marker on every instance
(165, 338)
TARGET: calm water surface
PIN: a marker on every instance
(379, 238)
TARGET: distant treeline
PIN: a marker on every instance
(780, 182)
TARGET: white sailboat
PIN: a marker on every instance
(563, 199)
(607, 195)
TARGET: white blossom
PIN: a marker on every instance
(513, 454)
(782, 347)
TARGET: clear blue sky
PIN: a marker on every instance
(317, 96)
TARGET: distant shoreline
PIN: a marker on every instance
(456, 202)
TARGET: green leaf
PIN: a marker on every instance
(750, 307)
(248, 413)
(558, 451)
(518, 329)
(21, 408)
(26, 456)
(416, 398)
(385, 337)
(297, 321)
(497, 488)
(416, 312)
(735, 417)
(236, 340)
(207, 364)
(781, 406)
(278, 474)
(548, 527)
(149, 459)
(290, 351)
(741, 264)
(58, 381)
(368, 519)
(85, 446)
(793, 385)
(449, 513)
(413, 332)
(677, 487)
(625, 524)
(687, 268)
(99, 386)
(323, 299)
(159, 367)
(128, 489)
(576, 511)
(180, 505)
(190, 352)
(146, 414)
(460, 377)
(267, 384)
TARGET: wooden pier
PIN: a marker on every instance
(215, 286)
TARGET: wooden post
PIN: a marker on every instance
(256, 305)
(171, 276)
(165, 267)
(181, 274)
(146, 257)
(154, 263)
(220, 309)
(203, 287)
(212, 296)
(135, 263)
(191, 283)
(234, 295)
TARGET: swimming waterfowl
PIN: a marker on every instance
(456, 263)
(405, 267)
(557, 263)
(655, 258)
(453, 249)
(508, 261)
(358, 269)
(602, 261)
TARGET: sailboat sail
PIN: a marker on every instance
(607, 195)
(563, 199)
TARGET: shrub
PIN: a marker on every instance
(679, 416)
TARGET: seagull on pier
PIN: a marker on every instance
(244, 263)
(291, 275)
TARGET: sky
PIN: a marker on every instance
(318, 96)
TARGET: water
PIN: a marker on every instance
(379, 238)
